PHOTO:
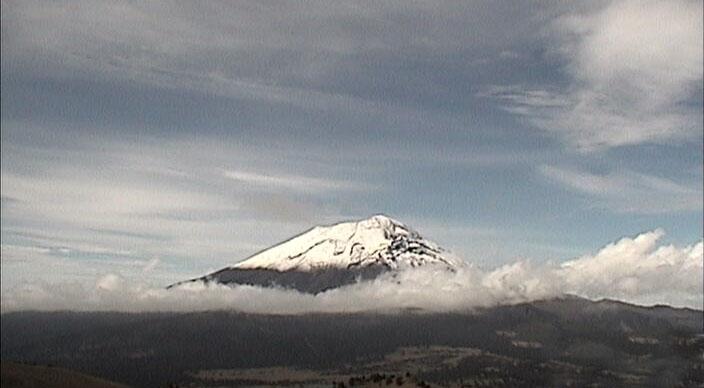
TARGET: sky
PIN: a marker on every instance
(159, 141)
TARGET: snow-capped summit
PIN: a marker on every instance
(378, 240)
(332, 256)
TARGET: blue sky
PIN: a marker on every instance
(166, 139)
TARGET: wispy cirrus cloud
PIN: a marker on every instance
(627, 191)
(633, 69)
(163, 209)
(311, 56)
(292, 182)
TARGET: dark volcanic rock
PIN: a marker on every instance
(332, 256)
(312, 282)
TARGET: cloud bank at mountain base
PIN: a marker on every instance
(640, 270)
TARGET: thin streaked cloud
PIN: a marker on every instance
(628, 191)
(292, 182)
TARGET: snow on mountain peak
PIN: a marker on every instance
(378, 240)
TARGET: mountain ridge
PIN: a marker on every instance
(566, 341)
(326, 257)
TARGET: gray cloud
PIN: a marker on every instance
(392, 59)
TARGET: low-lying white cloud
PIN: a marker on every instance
(638, 270)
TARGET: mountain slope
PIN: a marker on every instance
(378, 240)
(332, 256)
(18, 375)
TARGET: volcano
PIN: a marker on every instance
(327, 257)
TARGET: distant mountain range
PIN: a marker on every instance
(552, 343)
(327, 257)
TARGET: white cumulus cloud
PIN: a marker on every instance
(638, 269)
